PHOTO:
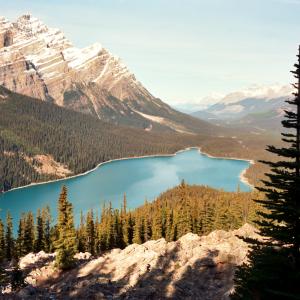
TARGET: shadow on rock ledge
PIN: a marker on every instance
(191, 268)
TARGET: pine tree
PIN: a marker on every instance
(97, 235)
(147, 229)
(2, 242)
(90, 233)
(81, 237)
(125, 222)
(110, 228)
(188, 221)
(274, 270)
(124, 206)
(170, 225)
(3, 274)
(130, 224)
(29, 233)
(119, 242)
(163, 221)
(39, 243)
(46, 219)
(66, 242)
(137, 239)
(54, 236)
(20, 249)
(226, 219)
(208, 216)
(9, 240)
(102, 229)
(157, 223)
(184, 224)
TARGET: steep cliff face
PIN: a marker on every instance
(48, 65)
(41, 62)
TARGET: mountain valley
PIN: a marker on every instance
(257, 109)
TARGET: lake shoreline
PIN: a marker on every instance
(242, 176)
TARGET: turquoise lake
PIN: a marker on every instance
(139, 178)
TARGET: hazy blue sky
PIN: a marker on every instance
(182, 49)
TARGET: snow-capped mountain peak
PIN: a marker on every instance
(256, 99)
(258, 92)
(48, 65)
(40, 61)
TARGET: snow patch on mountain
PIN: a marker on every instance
(257, 106)
(150, 117)
(258, 92)
(77, 58)
(230, 109)
(40, 62)
(163, 121)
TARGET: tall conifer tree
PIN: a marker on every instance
(137, 239)
(274, 270)
(20, 249)
(90, 233)
(65, 245)
(9, 240)
(29, 233)
(39, 243)
(46, 217)
(2, 241)
(81, 236)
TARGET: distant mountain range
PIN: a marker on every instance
(41, 62)
(259, 107)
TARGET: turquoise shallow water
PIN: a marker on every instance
(139, 178)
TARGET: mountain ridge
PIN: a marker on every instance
(261, 109)
(40, 62)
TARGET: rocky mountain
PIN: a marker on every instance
(262, 108)
(41, 62)
(193, 267)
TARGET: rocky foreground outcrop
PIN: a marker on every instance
(191, 268)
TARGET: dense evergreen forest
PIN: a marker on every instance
(183, 209)
(29, 127)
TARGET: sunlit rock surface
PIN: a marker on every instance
(193, 267)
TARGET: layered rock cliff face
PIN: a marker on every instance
(193, 267)
(41, 62)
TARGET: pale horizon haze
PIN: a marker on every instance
(182, 51)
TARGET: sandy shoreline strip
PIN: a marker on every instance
(242, 174)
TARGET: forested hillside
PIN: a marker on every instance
(183, 209)
(180, 210)
(77, 142)
(173, 215)
(29, 127)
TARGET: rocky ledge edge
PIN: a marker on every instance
(193, 267)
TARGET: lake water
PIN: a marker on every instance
(139, 178)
